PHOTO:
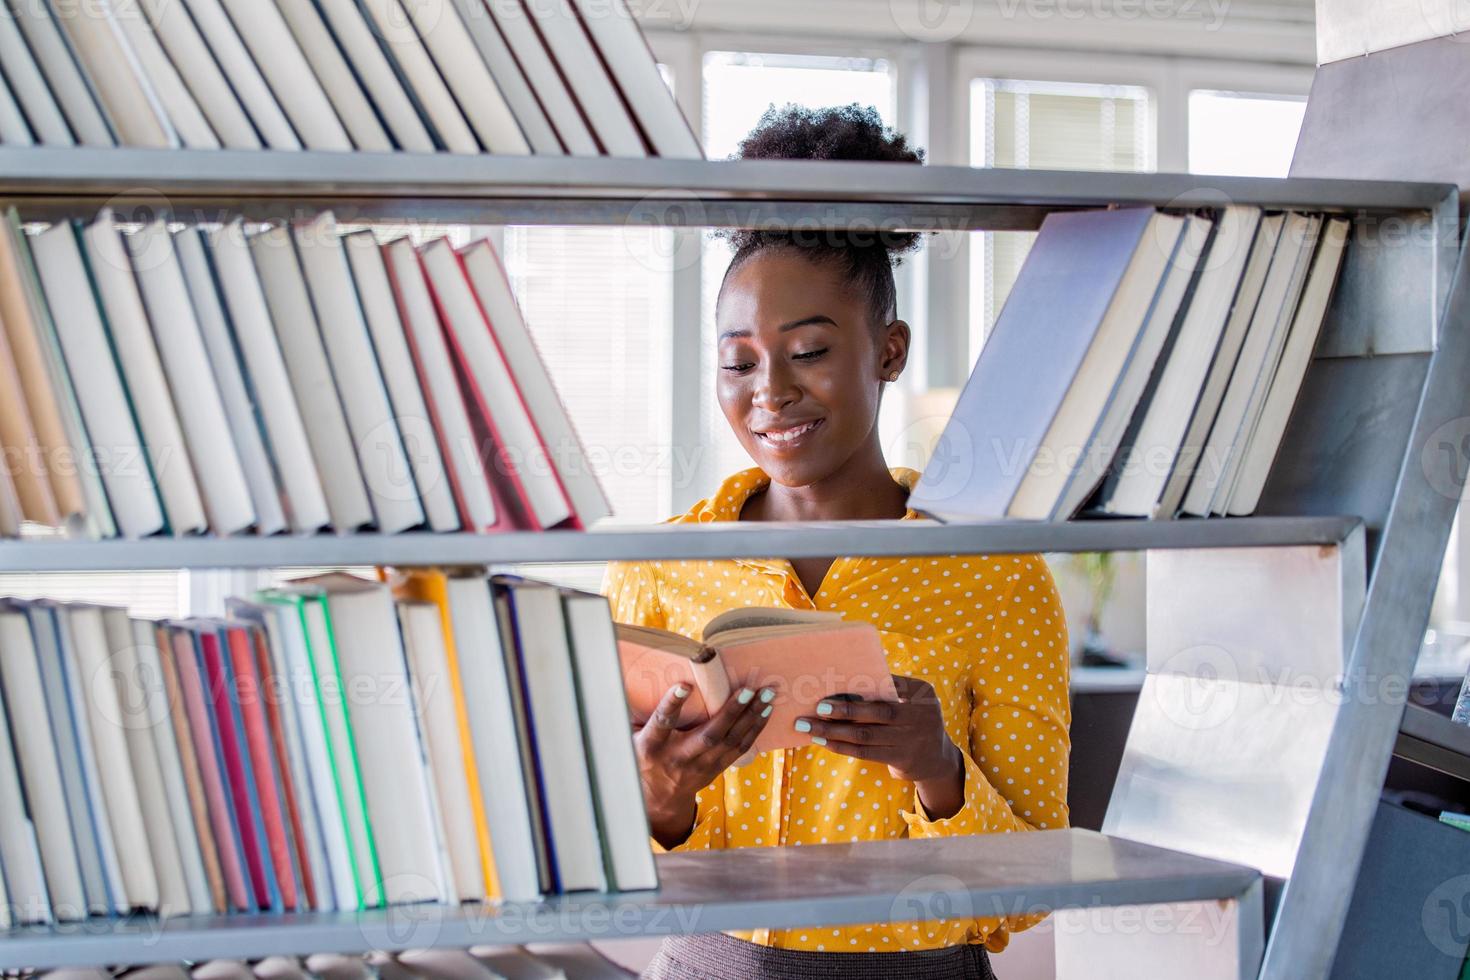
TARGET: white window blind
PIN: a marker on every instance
(1243, 135)
(1045, 126)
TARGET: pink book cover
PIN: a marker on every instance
(503, 517)
(575, 522)
(260, 754)
(481, 407)
(802, 664)
(220, 819)
(235, 762)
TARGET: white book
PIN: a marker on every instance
(336, 77)
(11, 514)
(370, 651)
(494, 386)
(246, 434)
(142, 371)
(349, 348)
(392, 24)
(449, 44)
(486, 681)
(299, 335)
(124, 671)
(13, 128)
(70, 87)
(46, 624)
(529, 114)
(110, 428)
(179, 108)
(378, 77)
(440, 389)
(1166, 419)
(25, 893)
(114, 766)
(293, 662)
(290, 695)
(1296, 357)
(195, 65)
(185, 362)
(546, 662)
(491, 284)
(118, 78)
(614, 763)
(411, 414)
(79, 695)
(623, 47)
(244, 76)
(265, 372)
(1107, 354)
(154, 707)
(1257, 355)
(428, 658)
(544, 78)
(28, 85)
(591, 86)
(1107, 436)
(289, 75)
(1192, 451)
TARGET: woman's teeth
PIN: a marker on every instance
(789, 435)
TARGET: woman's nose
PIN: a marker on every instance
(775, 388)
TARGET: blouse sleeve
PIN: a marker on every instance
(1016, 759)
(632, 592)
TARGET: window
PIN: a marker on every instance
(1047, 126)
(1243, 135)
(153, 594)
(738, 87)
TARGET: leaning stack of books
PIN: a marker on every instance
(551, 77)
(291, 378)
(1145, 364)
(333, 744)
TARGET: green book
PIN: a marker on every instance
(355, 829)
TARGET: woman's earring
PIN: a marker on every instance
(893, 376)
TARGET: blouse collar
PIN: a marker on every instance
(727, 501)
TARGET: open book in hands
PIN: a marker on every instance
(805, 656)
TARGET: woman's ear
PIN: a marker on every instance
(893, 350)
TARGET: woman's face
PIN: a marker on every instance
(800, 365)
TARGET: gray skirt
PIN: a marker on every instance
(720, 957)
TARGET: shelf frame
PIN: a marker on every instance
(707, 891)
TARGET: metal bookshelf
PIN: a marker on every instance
(666, 541)
(1333, 579)
(822, 885)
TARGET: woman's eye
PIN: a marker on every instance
(810, 355)
(736, 368)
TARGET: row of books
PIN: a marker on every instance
(334, 744)
(1145, 364)
(550, 77)
(292, 378)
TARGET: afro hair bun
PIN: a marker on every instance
(850, 132)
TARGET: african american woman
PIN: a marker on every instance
(809, 339)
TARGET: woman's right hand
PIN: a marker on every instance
(675, 765)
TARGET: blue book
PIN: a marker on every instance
(1048, 370)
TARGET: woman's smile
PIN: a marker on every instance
(788, 437)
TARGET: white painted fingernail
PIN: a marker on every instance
(745, 695)
(767, 696)
(818, 740)
(824, 708)
(767, 712)
(680, 691)
(802, 725)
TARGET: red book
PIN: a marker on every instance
(272, 691)
(491, 389)
(261, 757)
(481, 505)
(222, 696)
(183, 642)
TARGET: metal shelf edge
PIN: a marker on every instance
(709, 541)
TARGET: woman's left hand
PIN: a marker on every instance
(907, 736)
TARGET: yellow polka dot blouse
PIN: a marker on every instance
(987, 632)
